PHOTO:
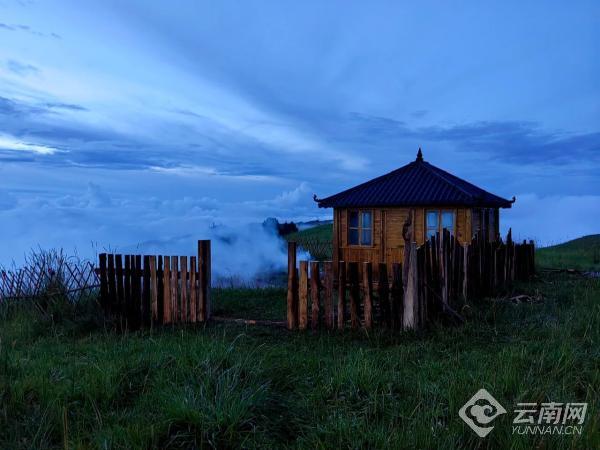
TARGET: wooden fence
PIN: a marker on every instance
(48, 274)
(143, 291)
(434, 280)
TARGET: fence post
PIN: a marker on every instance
(184, 314)
(193, 291)
(397, 301)
(146, 296)
(120, 287)
(103, 282)
(175, 289)
(383, 291)
(315, 291)
(204, 273)
(112, 287)
(328, 297)
(354, 294)
(128, 298)
(291, 291)
(411, 289)
(341, 308)
(153, 290)
(303, 296)
(167, 290)
(160, 289)
(368, 294)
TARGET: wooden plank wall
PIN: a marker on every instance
(438, 277)
(142, 292)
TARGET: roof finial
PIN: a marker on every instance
(419, 155)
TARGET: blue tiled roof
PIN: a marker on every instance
(416, 184)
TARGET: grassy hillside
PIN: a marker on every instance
(582, 254)
(321, 232)
(65, 385)
(317, 241)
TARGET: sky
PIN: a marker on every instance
(147, 124)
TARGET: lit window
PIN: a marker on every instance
(432, 223)
(437, 221)
(360, 228)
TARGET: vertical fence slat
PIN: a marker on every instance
(383, 292)
(153, 290)
(368, 295)
(315, 294)
(127, 285)
(204, 274)
(328, 294)
(175, 309)
(112, 285)
(397, 300)
(103, 281)
(291, 308)
(167, 290)
(146, 294)
(185, 310)
(193, 291)
(120, 287)
(303, 296)
(354, 294)
(160, 291)
(341, 306)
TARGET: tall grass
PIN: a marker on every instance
(226, 386)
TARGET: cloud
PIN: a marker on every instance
(22, 69)
(28, 29)
(8, 143)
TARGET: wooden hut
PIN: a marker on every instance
(368, 218)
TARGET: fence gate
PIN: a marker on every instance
(143, 291)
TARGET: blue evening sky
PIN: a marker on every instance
(144, 122)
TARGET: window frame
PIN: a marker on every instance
(360, 227)
(440, 227)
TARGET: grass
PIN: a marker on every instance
(231, 386)
(317, 241)
(320, 232)
(581, 254)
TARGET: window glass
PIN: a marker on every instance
(353, 236)
(365, 236)
(366, 219)
(432, 219)
(353, 219)
(431, 232)
(448, 220)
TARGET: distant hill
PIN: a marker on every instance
(316, 240)
(582, 253)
